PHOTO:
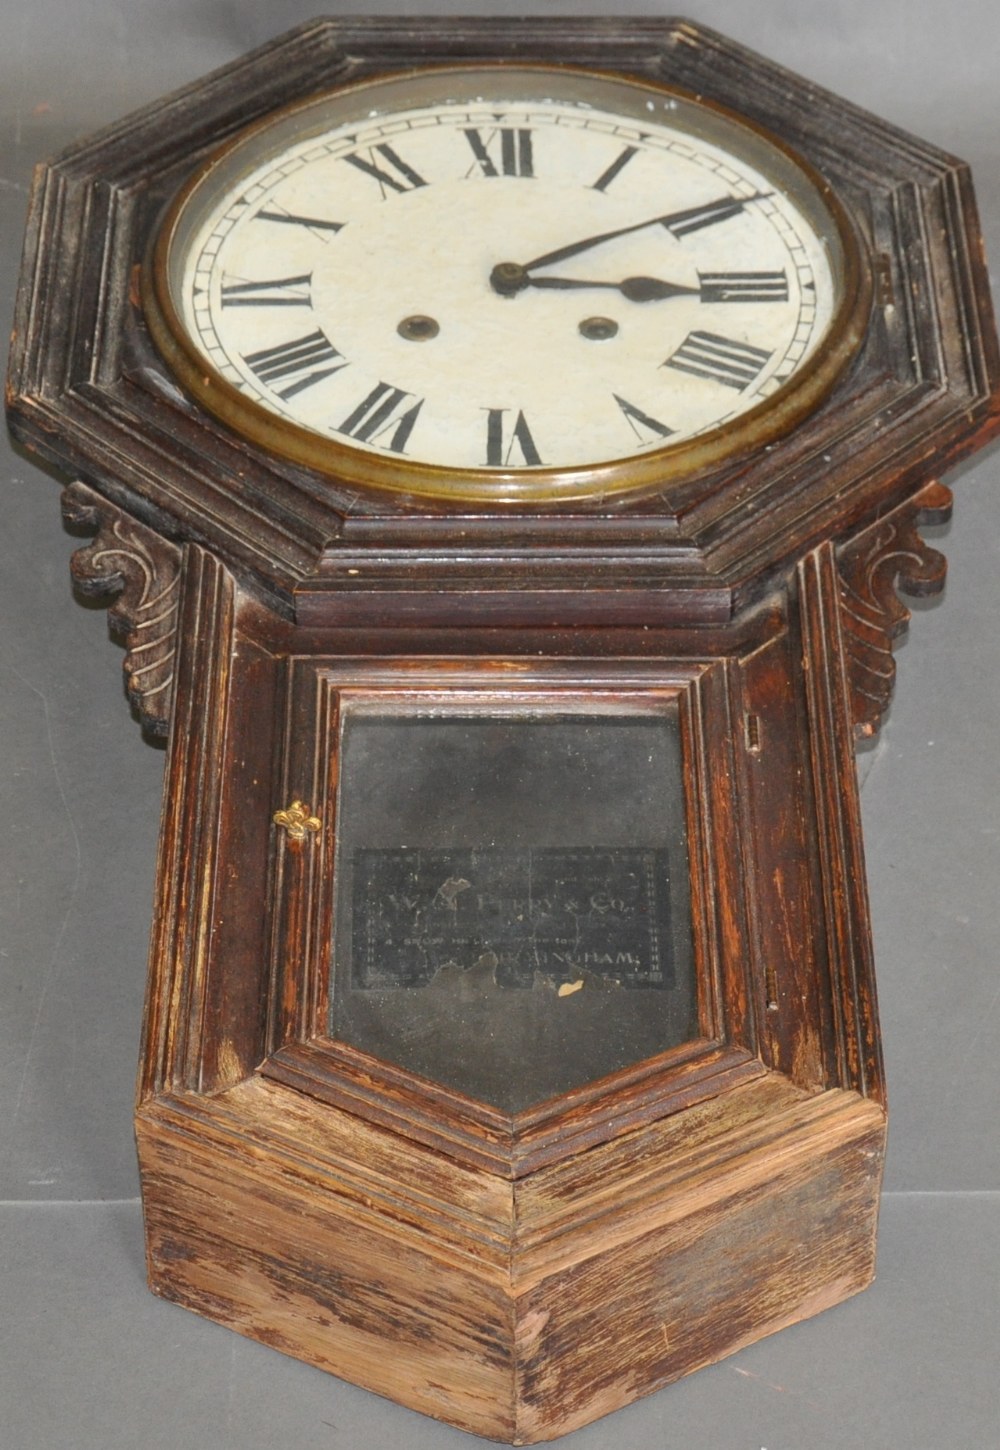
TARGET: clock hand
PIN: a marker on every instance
(509, 278)
(691, 219)
(636, 289)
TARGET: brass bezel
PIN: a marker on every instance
(532, 488)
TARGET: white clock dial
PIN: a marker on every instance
(533, 283)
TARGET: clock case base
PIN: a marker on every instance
(686, 1242)
(516, 1275)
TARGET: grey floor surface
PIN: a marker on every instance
(88, 1358)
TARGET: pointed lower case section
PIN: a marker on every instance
(515, 1310)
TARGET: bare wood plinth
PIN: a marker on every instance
(482, 1302)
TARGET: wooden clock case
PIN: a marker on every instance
(514, 1273)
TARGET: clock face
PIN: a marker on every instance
(505, 286)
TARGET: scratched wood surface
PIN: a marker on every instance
(517, 1312)
(472, 1264)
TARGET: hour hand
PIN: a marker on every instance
(636, 289)
(509, 278)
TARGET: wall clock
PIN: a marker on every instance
(507, 468)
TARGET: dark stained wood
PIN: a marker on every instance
(139, 573)
(176, 1027)
(847, 974)
(887, 556)
(791, 1008)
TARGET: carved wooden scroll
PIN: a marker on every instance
(137, 569)
(888, 556)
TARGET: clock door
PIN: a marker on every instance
(503, 892)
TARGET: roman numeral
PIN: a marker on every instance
(621, 161)
(402, 177)
(300, 363)
(743, 286)
(710, 214)
(276, 292)
(500, 446)
(514, 158)
(706, 355)
(642, 424)
(274, 213)
(379, 414)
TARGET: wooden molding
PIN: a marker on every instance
(886, 557)
(138, 572)
(848, 971)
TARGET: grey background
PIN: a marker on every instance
(87, 1357)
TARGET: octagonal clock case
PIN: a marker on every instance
(503, 442)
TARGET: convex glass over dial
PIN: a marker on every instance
(507, 285)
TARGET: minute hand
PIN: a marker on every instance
(692, 219)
